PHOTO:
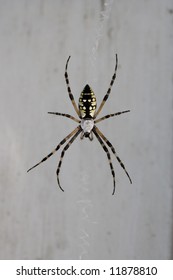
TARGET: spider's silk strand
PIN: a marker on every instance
(86, 221)
(85, 204)
(104, 16)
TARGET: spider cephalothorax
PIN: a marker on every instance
(87, 128)
(87, 114)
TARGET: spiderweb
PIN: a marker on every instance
(85, 206)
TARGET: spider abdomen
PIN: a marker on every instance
(87, 103)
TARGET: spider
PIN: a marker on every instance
(87, 121)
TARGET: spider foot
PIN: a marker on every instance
(59, 184)
(113, 189)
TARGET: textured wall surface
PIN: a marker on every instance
(38, 220)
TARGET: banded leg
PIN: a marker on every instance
(108, 156)
(69, 89)
(63, 153)
(114, 152)
(57, 148)
(109, 89)
(65, 115)
(111, 115)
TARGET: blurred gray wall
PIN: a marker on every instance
(37, 220)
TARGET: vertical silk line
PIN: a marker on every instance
(85, 205)
(103, 17)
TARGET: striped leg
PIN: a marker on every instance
(63, 153)
(57, 148)
(65, 115)
(114, 152)
(108, 156)
(111, 115)
(109, 89)
(69, 89)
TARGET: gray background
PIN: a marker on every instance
(37, 220)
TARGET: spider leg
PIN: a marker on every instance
(108, 156)
(109, 89)
(63, 153)
(69, 89)
(113, 150)
(65, 115)
(57, 148)
(111, 115)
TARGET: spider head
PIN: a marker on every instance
(87, 103)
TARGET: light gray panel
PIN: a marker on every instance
(38, 220)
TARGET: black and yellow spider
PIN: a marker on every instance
(87, 114)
